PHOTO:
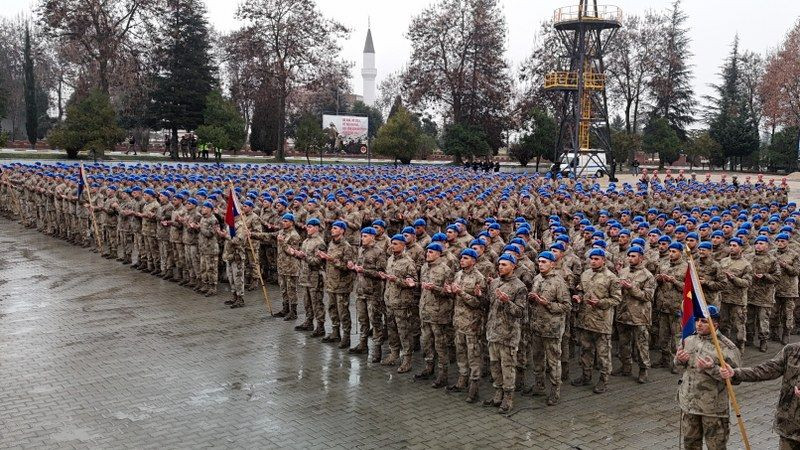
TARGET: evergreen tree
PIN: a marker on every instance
(731, 122)
(265, 124)
(659, 138)
(538, 140)
(31, 106)
(90, 125)
(400, 138)
(186, 73)
(671, 83)
(223, 126)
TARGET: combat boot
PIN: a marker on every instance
(472, 394)
(391, 359)
(460, 384)
(233, 300)
(333, 337)
(624, 370)
(210, 292)
(554, 396)
(495, 400)
(426, 372)
(564, 371)
(239, 302)
(360, 348)
(318, 332)
(642, 376)
(345, 342)
(519, 380)
(507, 404)
(441, 378)
(763, 346)
(305, 326)
(292, 313)
(538, 387)
(406, 365)
(284, 311)
(377, 354)
(601, 386)
(584, 380)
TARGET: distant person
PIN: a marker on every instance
(131, 144)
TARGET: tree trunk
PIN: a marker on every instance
(280, 156)
(538, 158)
(173, 147)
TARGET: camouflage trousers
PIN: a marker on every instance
(758, 322)
(288, 285)
(151, 251)
(369, 312)
(669, 333)
(592, 343)
(568, 338)
(339, 312)
(209, 271)
(137, 248)
(546, 358)
(524, 347)
(696, 428)
(124, 245)
(400, 322)
(192, 262)
(235, 271)
(732, 320)
(503, 364)
(165, 257)
(634, 337)
(788, 444)
(180, 259)
(109, 241)
(313, 306)
(435, 344)
(468, 355)
(782, 318)
(250, 272)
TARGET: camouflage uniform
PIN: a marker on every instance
(733, 313)
(176, 241)
(761, 296)
(712, 278)
(468, 321)
(401, 302)
(338, 285)
(668, 302)
(208, 248)
(702, 395)
(547, 327)
(234, 255)
(190, 240)
(786, 292)
(369, 292)
(634, 315)
(311, 283)
(503, 330)
(166, 255)
(288, 270)
(149, 241)
(787, 417)
(595, 323)
(436, 312)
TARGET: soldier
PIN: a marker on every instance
(310, 280)
(702, 395)
(135, 218)
(761, 294)
(191, 230)
(369, 305)
(164, 215)
(208, 248)
(634, 314)
(401, 277)
(787, 415)
(598, 293)
(710, 273)
(235, 257)
(436, 313)
(782, 319)
(669, 301)
(110, 228)
(288, 266)
(149, 219)
(176, 237)
(467, 289)
(550, 306)
(739, 276)
(338, 284)
(507, 298)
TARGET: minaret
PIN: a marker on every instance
(368, 70)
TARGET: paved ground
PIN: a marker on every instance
(94, 354)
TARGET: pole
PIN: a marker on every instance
(91, 210)
(728, 386)
(255, 266)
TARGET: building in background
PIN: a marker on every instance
(368, 70)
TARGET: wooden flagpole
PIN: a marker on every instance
(253, 253)
(728, 385)
(88, 189)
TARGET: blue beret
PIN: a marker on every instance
(558, 246)
(600, 243)
(369, 230)
(782, 236)
(452, 227)
(379, 223)
(469, 252)
(507, 257)
(288, 216)
(249, 203)
(563, 238)
(313, 222)
(494, 226)
(713, 312)
(736, 240)
(597, 252)
(676, 246)
(681, 229)
(511, 248)
(762, 239)
(664, 239)
(439, 237)
(480, 242)
(693, 235)
(435, 246)
(193, 201)
(717, 233)
(340, 224)
(208, 205)
(524, 231)
(409, 230)
(400, 238)
(706, 245)
(636, 249)
(420, 223)
(547, 255)
(639, 241)
(655, 231)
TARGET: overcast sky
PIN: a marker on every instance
(761, 26)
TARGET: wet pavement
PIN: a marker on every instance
(94, 354)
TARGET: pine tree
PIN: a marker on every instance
(731, 122)
(31, 109)
(186, 73)
(671, 84)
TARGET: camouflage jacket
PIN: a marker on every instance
(703, 392)
(636, 307)
(601, 285)
(164, 214)
(234, 247)
(786, 364)
(207, 243)
(713, 280)
(548, 320)
(149, 224)
(735, 291)
(503, 321)
(176, 228)
(787, 281)
(468, 309)
(398, 294)
(435, 305)
(762, 290)
(311, 265)
(190, 234)
(373, 259)
(338, 278)
(669, 294)
(288, 265)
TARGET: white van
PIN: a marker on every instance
(589, 164)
